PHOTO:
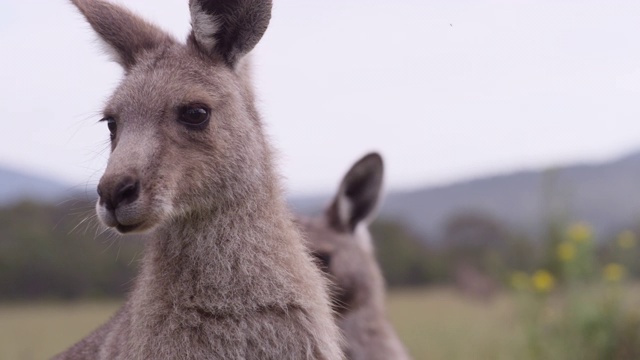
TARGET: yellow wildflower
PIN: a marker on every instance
(566, 251)
(613, 272)
(627, 240)
(519, 280)
(579, 232)
(543, 281)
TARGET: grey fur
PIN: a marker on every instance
(342, 244)
(225, 274)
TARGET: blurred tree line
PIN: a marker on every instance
(58, 252)
(54, 252)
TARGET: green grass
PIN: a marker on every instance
(39, 331)
(434, 324)
(440, 324)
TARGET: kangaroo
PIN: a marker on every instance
(341, 242)
(224, 274)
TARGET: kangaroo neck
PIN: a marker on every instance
(233, 262)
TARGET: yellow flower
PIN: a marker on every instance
(579, 232)
(543, 281)
(566, 251)
(519, 280)
(613, 272)
(627, 240)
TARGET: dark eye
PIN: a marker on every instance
(194, 116)
(112, 125)
(324, 260)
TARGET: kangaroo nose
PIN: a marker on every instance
(118, 192)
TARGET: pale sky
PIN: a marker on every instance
(445, 90)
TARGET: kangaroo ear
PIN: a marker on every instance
(126, 34)
(228, 29)
(358, 194)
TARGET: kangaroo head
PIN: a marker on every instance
(340, 238)
(185, 135)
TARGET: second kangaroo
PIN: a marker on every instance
(341, 242)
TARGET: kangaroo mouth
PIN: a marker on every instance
(131, 218)
(122, 224)
(124, 229)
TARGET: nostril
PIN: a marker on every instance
(126, 192)
(118, 191)
(103, 197)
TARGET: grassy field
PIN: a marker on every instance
(435, 324)
(39, 331)
(440, 324)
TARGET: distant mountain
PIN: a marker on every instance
(606, 195)
(15, 185)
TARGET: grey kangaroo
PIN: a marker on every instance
(341, 241)
(225, 274)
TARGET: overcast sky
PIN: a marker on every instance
(445, 90)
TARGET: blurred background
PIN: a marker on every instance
(510, 132)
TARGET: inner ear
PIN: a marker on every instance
(358, 194)
(228, 29)
(362, 192)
